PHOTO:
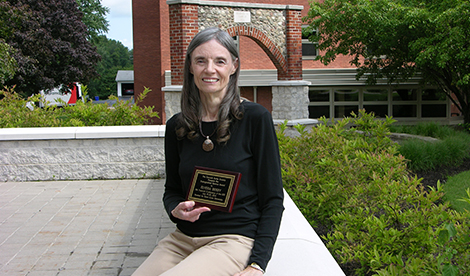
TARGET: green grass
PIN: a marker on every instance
(426, 156)
(451, 150)
(455, 190)
(430, 129)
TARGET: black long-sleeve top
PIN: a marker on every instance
(254, 152)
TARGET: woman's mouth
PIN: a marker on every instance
(210, 80)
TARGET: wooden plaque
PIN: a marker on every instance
(214, 188)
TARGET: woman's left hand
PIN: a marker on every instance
(249, 271)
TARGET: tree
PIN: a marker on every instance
(399, 39)
(94, 17)
(50, 45)
(8, 15)
(7, 70)
(115, 56)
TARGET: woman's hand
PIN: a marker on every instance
(186, 211)
(249, 271)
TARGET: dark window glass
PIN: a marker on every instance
(375, 95)
(315, 112)
(433, 95)
(345, 111)
(404, 111)
(380, 110)
(309, 49)
(347, 95)
(404, 94)
(433, 110)
(319, 95)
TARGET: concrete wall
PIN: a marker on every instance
(71, 153)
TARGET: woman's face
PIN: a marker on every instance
(212, 66)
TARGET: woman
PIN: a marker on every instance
(217, 130)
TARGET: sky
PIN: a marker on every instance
(120, 21)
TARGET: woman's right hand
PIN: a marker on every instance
(186, 211)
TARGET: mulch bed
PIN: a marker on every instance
(430, 178)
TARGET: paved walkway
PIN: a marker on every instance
(79, 228)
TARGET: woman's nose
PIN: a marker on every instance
(210, 66)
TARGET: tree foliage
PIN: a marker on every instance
(399, 39)
(115, 56)
(50, 44)
(7, 70)
(94, 17)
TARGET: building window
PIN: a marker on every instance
(309, 49)
(433, 104)
(345, 110)
(433, 110)
(403, 102)
(404, 95)
(319, 95)
(375, 95)
(376, 100)
(346, 95)
(405, 111)
(318, 111)
(319, 103)
(433, 95)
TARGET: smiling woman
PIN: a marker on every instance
(212, 65)
(219, 132)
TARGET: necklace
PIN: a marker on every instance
(207, 145)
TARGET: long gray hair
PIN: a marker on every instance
(191, 112)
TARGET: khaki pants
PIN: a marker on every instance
(178, 254)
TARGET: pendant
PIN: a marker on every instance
(208, 145)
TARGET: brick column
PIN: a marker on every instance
(150, 44)
(294, 47)
(183, 27)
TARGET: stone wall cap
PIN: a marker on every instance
(291, 83)
(100, 132)
(236, 4)
(172, 88)
(296, 122)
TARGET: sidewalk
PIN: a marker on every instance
(79, 228)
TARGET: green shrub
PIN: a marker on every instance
(14, 112)
(347, 178)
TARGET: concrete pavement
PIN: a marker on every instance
(78, 228)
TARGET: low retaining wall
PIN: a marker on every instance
(72, 153)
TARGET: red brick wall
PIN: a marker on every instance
(294, 47)
(183, 27)
(265, 97)
(263, 93)
(150, 45)
(254, 59)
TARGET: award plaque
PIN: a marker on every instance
(214, 188)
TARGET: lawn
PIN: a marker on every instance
(455, 190)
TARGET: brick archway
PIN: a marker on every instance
(264, 42)
(280, 37)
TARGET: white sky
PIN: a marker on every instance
(120, 21)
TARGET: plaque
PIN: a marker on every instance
(214, 188)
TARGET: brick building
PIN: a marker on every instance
(273, 56)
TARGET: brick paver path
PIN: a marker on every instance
(79, 228)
